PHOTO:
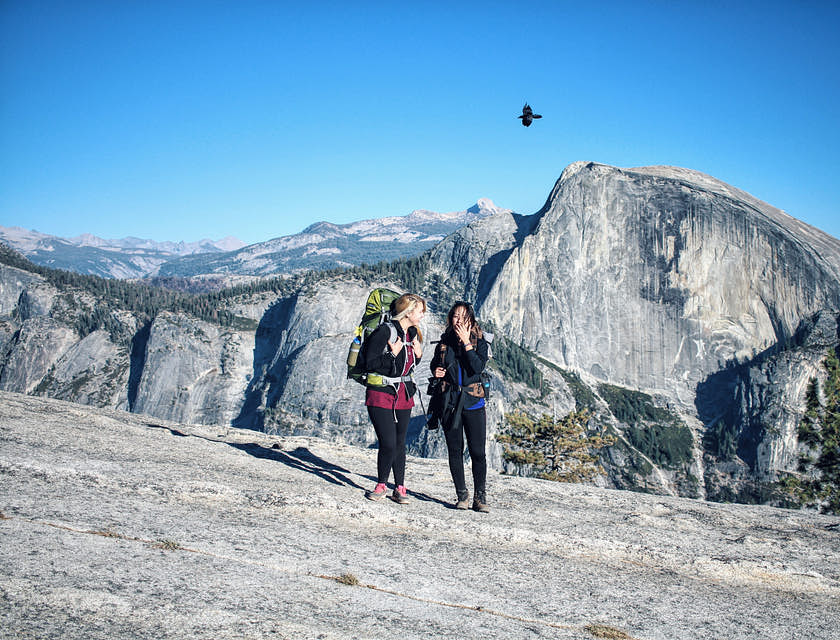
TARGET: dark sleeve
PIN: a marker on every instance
(436, 360)
(378, 357)
(474, 360)
(411, 334)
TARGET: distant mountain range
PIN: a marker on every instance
(322, 245)
(123, 258)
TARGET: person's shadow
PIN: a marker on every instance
(304, 460)
(301, 459)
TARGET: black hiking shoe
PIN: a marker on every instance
(480, 503)
(463, 502)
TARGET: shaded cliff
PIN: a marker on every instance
(666, 281)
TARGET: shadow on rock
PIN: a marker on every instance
(302, 459)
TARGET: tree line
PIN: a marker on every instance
(148, 301)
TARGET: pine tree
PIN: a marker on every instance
(559, 449)
(817, 483)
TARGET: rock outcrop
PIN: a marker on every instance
(757, 407)
(193, 371)
(119, 525)
(669, 303)
(657, 278)
(664, 280)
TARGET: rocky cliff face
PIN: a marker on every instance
(755, 408)
(286, 376)
(668, 281)
(688, 316)
(657, 278)
(469, 259)
(192, 370)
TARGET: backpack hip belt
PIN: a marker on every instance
(476, 389)
(376, 380)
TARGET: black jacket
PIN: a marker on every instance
(449, 352)
(379, 359)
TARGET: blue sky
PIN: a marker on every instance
(187, 120)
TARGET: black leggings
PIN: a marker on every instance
(391, 435)
(474, 424)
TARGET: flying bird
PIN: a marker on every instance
(528, 115)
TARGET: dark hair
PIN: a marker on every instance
(474, 328)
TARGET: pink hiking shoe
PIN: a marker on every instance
(377, 493)
(399, 496)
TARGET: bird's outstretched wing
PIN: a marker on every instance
(528, 115)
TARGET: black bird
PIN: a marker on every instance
(528, 115)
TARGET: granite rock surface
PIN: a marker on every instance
(123, 525)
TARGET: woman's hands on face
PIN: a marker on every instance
(463, 332)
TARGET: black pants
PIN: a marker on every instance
(391, 435)
(474, 424)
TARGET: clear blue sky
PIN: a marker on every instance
(185, 120)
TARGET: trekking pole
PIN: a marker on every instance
(422, 406)
(420, 395)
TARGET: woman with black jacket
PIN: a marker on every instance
(390, 355)
(460, 358)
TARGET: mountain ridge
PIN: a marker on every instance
(125, 258)
(25, 240)
(322, 244)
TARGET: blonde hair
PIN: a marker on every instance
(404, 305)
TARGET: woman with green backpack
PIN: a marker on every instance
(390, 355)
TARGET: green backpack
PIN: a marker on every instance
(377, 311)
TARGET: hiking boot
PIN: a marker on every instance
(399, 496)
(463, 502)
(480, 503)
(378, 492)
